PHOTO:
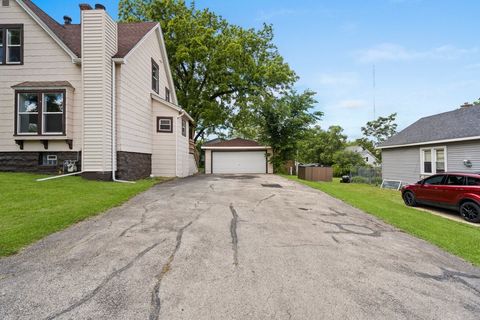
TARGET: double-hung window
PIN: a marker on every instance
(433, 160)
(11, 44)
(40, 113)
(165, 124)
(184, 127)
(155, 76)
(167, 94)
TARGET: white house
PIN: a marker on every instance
(369, 158)
(98, 94)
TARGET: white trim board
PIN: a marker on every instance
(431, 142)
(48, 31)
(235, 148)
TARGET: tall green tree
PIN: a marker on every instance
(217, 67)
(345, 161)
(282, 121)
(319, 146)
(376, 132)
(381, 129)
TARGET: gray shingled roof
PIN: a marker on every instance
(456, 124)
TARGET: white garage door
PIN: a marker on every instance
(239, 162)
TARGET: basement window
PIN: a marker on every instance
(5, 3)
(49, 160)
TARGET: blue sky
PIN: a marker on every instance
(426, 53)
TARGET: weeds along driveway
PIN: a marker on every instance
(236, 247)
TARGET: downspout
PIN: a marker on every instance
(114, 131)
(176, 142)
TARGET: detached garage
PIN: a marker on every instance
(236, 156)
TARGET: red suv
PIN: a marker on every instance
(452, 190)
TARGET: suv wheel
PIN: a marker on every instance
(470, 211)
(409, 199)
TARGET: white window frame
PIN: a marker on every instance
(50, 160)
(19, 122)
(434, 160)
(7, 45)
(44, 113)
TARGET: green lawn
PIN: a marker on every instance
(455, 237)
(30, 210)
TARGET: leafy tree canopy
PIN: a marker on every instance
(279, 121)
(319, 146)
(380, 129)
(217, 67)
(345, 161)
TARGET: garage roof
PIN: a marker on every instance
(233, 143)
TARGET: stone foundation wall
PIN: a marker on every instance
(133, 166)
(20, 161)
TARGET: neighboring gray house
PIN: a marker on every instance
(447, 141)
(367, 156)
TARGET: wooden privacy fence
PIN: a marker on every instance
(315, 173)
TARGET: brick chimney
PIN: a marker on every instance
(99, 6)
(466, 105)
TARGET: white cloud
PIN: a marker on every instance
(335, 79)
(352, 103)
(395, 52)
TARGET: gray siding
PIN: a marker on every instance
(401, 164)
(404, 163)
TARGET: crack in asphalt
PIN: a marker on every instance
(155, 302)
(142, 220)
(344, 229)
(264, 199)
(94, 292)
(335, 239)
(455, 276)
(233, 234)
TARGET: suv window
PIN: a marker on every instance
(455, 181)
(471, 181)
(434, 180)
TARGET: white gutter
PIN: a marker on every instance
(114, 131)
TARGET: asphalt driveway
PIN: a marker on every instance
(236, 247)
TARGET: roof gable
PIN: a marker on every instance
(69, 36)
(237, 142)
(457, 124)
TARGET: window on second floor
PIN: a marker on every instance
(40, 113)
(167, 94)
(184, 127)
(11, 44)
(155, 76)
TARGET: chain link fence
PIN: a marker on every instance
(369, 175)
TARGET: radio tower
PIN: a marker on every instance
(374, 106)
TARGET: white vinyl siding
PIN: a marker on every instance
(43, 60)
(97, 49)
(134, 102)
